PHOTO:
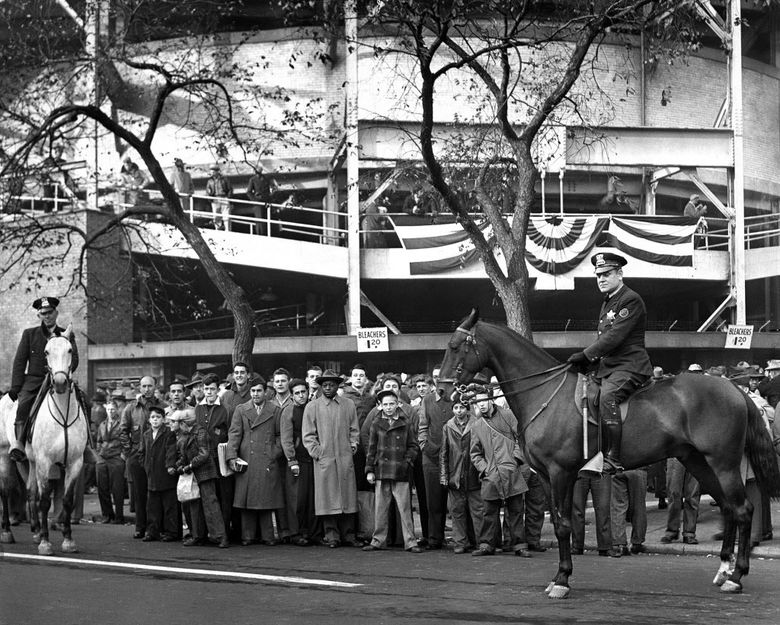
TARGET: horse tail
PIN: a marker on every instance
(761, 452)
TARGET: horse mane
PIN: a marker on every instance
(543, 357)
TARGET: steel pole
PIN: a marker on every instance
(735, 86)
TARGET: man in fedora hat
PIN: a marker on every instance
(330, 434)
(618, 354)
(769, 387)
(29, 369)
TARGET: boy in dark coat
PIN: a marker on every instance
(192, 456)
(461, 478)
(157, 455)
(392, 448)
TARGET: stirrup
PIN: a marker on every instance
(612, 466)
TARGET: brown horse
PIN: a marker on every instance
(706, 422)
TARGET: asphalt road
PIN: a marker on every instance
(378, 587)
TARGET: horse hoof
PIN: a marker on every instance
(731, 587)
(7, 538)
(558, 592)
(69, 546)
(45, 549)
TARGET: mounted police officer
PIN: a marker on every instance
(29, 368)
(618, 355)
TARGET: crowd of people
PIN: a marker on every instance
(326, 459)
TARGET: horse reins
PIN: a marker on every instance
(66, 416)
(556, 371)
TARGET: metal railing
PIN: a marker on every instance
(273, 320)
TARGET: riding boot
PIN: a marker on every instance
(612, 463)
(90, 457)
(16, 452)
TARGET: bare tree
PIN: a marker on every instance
(151, 63)
(516, 68)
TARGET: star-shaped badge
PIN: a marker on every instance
(611, 315)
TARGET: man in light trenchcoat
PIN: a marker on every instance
(254, 436)
(330, 434)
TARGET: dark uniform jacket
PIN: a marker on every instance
(620, 345)
(30, 357)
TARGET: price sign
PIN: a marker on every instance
(372, 340)
(739, 337)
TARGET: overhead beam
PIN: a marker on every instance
(649, 147)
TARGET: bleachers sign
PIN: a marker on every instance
(739, 337)
(372, 340)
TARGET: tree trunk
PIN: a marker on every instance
(243, 313)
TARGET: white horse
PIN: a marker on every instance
(9, 478)
(57, 445)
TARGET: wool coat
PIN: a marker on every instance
(255, 438)
(496, 455)
(456, 469)
(157, 454)
(392, 448)
(193, 449)
(330, 435)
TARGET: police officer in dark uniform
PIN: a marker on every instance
(618, 355)
(29, 368)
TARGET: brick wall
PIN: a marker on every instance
(103, 312)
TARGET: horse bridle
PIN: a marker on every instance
(556, 371)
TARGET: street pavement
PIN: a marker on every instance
(709, 524)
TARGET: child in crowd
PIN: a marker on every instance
(192, 456)
(392, 449)
(461, 478)
(157, 454)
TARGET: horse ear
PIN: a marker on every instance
(469, 321)
(68, 331)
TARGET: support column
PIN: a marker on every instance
(735, 85)
(353, 198)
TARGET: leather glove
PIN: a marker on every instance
(13, 395)
(187, 469)
(578, 358)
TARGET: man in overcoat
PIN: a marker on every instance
(29, 367)
(618, 354)
(330, 434)
(254, 437)
(495, 454)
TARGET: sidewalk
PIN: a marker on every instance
(709, 524)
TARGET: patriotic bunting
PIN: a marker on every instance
(557, 244)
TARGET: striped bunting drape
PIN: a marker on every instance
(557, 244)
(661, 241)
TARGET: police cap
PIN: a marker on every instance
(46, 302)
(607, 261)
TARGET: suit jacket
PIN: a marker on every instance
(215, 420)
(109, 440)
(620, 345)
(29, 368)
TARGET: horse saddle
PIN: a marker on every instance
(580, 395)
